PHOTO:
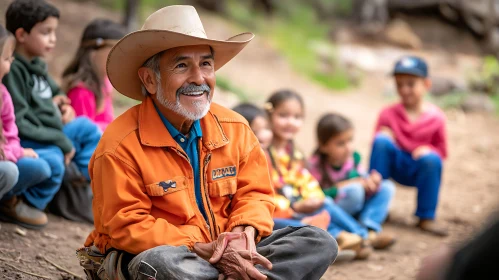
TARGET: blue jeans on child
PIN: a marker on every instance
(340, 221)
(39, 178)
(8, 176)
(424, 173)
(371, 211)
(85, 136)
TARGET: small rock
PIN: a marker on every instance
(422, 245)
(400, 33)
(443, 86)
(375, 267)
(21, 232)
(477, 103)
(50, 235)
(476, 209)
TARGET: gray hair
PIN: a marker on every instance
(153, 64)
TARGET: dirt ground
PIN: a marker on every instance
(470, 176)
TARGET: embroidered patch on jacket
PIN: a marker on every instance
(166, 185)
(229, 171)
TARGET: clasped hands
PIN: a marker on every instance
(234, 255)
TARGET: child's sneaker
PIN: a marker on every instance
(363, 251)
(345, 256)
(347, 240)
(381, 240)
(16, 211)
(433, 227)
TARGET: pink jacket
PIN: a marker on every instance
(428, 130)
(83, 102)
(12, 147)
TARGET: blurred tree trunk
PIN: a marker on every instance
(265, 5)
(131, 19)
(217, 6)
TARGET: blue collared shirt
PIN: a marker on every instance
(190, 146)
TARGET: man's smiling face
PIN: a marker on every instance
(187, 80)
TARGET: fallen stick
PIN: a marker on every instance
(24, 271)
(62, 268)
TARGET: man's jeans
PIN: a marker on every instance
(425, 173)
(295, 253)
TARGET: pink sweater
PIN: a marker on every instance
(428, 129)
(12, 147)
(83, 101)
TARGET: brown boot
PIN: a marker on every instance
(433, 227)
(364, 250)
(16, 211)
(381, 240)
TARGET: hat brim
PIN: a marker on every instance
(412, 72)
(133, 50)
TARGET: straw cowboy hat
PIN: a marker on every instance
(170, 27)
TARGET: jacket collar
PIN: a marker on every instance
(154, 133)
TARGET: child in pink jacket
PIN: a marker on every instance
(27, 182)
(89, 88)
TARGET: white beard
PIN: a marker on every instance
(199, 113)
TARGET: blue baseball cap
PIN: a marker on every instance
(411, 65)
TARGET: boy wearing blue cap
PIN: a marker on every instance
(410, 142)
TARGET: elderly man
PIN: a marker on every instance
(181, 187)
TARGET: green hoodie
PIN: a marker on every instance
(37, 117)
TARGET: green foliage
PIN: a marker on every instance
(294, 30)
(487, 79)
(495, 99)
(342, 8)
(449, 101)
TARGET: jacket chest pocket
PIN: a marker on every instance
(221, 193)
(172, 199)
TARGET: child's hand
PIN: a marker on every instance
(69, 156)
(420, 152)
(68, 113)
(376, 177)
(30, 153)
(61, 99)
(387, 132)
(369, 185)
(309, 205)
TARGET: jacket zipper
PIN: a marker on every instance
(213, 231)
(207, 224)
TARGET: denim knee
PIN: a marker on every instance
(354, 198)
(9, 177)
(382, 141)
(56, 162)
(431, 161)
(387, 188)
(86, 124)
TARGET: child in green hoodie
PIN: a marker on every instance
(44, 115)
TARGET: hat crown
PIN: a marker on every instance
(178, 18)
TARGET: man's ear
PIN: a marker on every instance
(20, 35)
(148, 79)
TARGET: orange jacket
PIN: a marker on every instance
(143, 183)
